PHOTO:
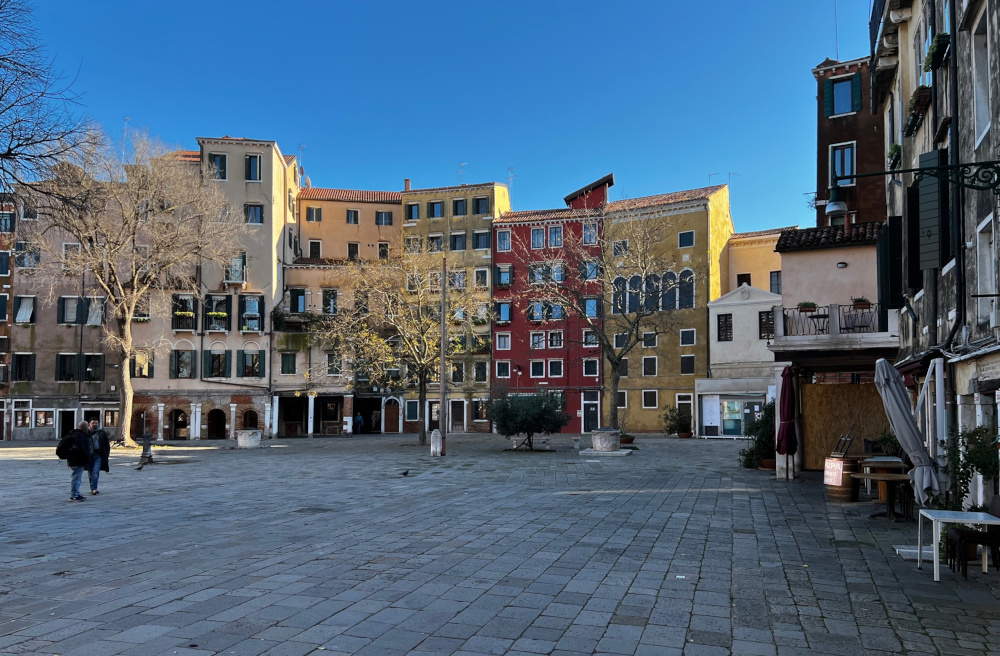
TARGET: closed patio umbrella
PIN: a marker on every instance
(787, 443)
(898, 409)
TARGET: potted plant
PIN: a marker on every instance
(216, 315)
(626, 438)
(807, 306)
(861, 303)
(140, 319)
(677, 423)
(894, 156)
(184, 313)
(936, 52)
(760, 452)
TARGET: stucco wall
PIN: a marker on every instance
(753, 255)
(813, 275)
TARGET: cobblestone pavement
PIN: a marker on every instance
(323, 547)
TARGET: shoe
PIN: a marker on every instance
(94, 492)
(77, 498)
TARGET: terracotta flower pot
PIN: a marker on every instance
(684, 435)
(766, 463)
(627, 439)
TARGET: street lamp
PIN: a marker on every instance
(835, 206)
(981, 176)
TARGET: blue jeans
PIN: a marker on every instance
(74, 482)
(94, 472)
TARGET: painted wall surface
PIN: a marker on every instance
(334, 233)
(720, 229)
(812, 275)
(746, 346)
(754, 255)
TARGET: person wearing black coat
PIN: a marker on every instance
(100, 452)
(79, 458)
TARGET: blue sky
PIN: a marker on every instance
(556, 93)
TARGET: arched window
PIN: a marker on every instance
(249, 420)
(634, 292)
(618, 297)
(668, 296)
(685, 295)
(651, 295)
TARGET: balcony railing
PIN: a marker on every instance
(854, 319)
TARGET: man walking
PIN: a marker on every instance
(76, 449)
(100, 452)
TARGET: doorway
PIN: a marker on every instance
(67, 419)
(93, 415)
(456, 416)
(215, 425)
(591, 411)
(391, 416)
(179, 428)
(250, 420)
(370, 410)
(433, 415)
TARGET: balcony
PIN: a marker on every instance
(835, 328)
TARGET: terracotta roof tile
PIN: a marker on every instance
(289, 158)
(762, 233)
(858, 234)
(186, 155)
(351, 195)
(529, 216)
(663, 199)
(454, 187)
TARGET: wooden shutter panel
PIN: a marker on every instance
(240, 362)
(229, 313)
(227, 366)
(173, 364)
(241, 305)
(932, 209)
(889, 250)
(828, 97)
(4, 263)
(206, 363)
(82, 310)
(261, 357)
(61, 310)
(31, 367)
(856, 93)
(131, 366)
(194, 364)
(149, 357)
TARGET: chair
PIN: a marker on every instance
(961, 537)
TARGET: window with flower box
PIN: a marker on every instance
(217, 311)
(251, 313)
(184, 313)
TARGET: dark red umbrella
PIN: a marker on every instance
(787, 443)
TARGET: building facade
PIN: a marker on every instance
(751, 260)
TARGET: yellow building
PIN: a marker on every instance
(661, 373)
(457, 222)
(750, 258)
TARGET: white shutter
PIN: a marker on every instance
(96, 315)
(25, 309)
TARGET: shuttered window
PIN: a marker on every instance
(932, 203)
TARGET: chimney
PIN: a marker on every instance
(406, 184)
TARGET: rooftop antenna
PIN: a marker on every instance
(710, 178)
(302, 169)
(836, 33)
(461, 172)
(510, 176)
(124, 135)
(731, 174)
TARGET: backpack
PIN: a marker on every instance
(66, 448)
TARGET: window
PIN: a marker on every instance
(687, 364)
(71, 310)
(217, 166)
(503, 341)
(503, 368)
(253, 214)
(251, 313)
(591, 308)
(649, 365)
(22, 419)
(537, 369)
(480, 410)
(843, 95)
(765, 324)
(537, 273)
(250, 364)
(688, 336)
(334, 364)
(724, 328)
(383, 218)
(216, 363)
(538, 238)
(479, 371)
(504, 275)
(555, 368)
(503, 312)
(314, 214)
(297, 300)
(435, 209)
(841, 163)
(459, 207)
(352, 250)
(685, 239)
(743, 279)
(482, 279)
(623, 368)
(589, 338)
(622, 400)
(26, 255)
(775, 282)
(503, 240)
(288, 363)
(412, 410)
(589, 234)
(141, 364)
(685, 405)
(412, 244)
(237, 270)
(352, 217)
(649, 340)
(456, 279)
(481, 240)
(217, 309)
(554, 311)
(435, 243)
(22, 367)
(7, 222)
(981, 77)
(555, 339)
(481, 205)
(555, 236)
(24, 309)
(315, 248)
(590, 270)
(537, 340)
(590, 367)
(558, 272)
(67, 367)
(619, 248)
(383, 250)
(251, 168)
(44, 418)
(182, 364)
(458, 372)
(412, 211)
(620, 340)
(685, 289)
(536, 311)
(457, 242)
(649, 399)
(4, 263)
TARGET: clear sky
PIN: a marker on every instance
(554, 93)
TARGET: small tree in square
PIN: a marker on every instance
(528, 415)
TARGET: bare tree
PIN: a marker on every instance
(37, 126)
(136, 232)
(617, 274)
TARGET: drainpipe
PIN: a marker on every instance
(958, 192)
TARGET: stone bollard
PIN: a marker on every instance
(436, 442)
(248, 439)
(606, 439)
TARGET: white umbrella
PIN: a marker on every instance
(898, 410)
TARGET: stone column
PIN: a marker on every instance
(310, 414)
(274, 416)
(159, 422)
(267, 420)
(348, 413)
(232, 421)
(986, 415)
(195, 422)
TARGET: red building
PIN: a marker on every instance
(538, 345)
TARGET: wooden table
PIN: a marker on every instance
(891, 481)
(881, 465)
(939, 517)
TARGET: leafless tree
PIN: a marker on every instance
(135, 232)
(37, 124)
(617, 274)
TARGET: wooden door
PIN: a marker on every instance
(391, 416)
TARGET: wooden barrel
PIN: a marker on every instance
(837, 476)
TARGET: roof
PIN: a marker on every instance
(187, 155)
(746, 294)
(529, 216)
(762, 233)
(289, 158)
(462, 186)
(857, 234)
(687, 195)
(608, 180)
(351, 195)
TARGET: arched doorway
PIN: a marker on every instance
(139, 427)
(178, 424)
(250, 420)
(390, 416)
(215, 425)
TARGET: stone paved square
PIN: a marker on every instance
(322, 547)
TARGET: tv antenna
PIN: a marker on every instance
(461, 172)
(510, 176)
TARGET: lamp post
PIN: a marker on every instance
(981, 176)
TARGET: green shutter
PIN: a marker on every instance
(261, 357)
(61, 310)
(932, 210)
(227, 366)
(82, 310)
(229, 313)
(856, 92)
(150, 356)
(828, 97)
(194, 364)
(173, 364)
(206, 363)
(240, 362)
(241, 305)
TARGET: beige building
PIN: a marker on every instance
(750, 258)
(456, 221)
